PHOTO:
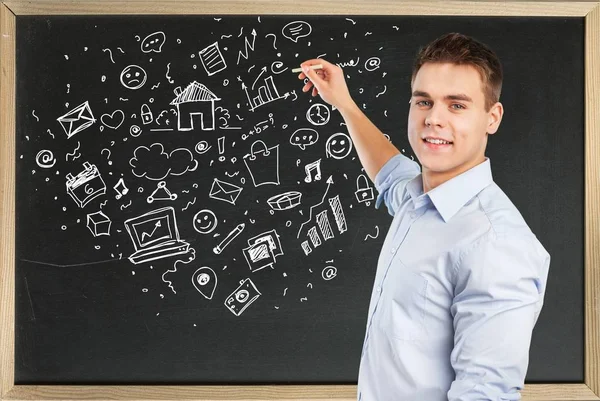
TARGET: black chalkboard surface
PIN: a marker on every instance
(185, 214)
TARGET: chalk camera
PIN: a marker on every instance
(242, 297)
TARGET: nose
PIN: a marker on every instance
(434, 116)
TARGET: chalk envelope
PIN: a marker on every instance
(77, 119)
(224, 191)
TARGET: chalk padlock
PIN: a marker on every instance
(364, 192)
(146, 114)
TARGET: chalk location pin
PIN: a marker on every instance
(205, 281)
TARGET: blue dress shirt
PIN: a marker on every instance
(459, 286)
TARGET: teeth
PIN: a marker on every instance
(437, 141)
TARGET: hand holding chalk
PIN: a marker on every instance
(328, 82)
(312, 67)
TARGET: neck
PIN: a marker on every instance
(433, 179)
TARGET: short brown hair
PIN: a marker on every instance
(460, 49)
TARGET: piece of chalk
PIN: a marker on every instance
(312, 67)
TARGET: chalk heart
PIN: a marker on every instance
(113, 120)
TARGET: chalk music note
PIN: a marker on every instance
(313, 167)
(121, 189)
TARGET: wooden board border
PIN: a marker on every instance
(11, 9)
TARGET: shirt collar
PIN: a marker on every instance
(453, 194)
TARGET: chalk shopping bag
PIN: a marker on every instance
(263, 164)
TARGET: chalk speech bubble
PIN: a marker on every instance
(296, 30)
(304, 137)
(153, 42)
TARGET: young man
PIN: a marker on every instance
(461, 278)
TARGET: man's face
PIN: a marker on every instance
(448, 104)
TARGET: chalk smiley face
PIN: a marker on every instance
(205, 221)
(133, 77)
(338, 146)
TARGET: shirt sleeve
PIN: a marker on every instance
(500, 287)
(391, 180)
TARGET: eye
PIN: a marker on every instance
(128, 75)
(333, 142)
(137, 74)
(422, 103)
(460, 106)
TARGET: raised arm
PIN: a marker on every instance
(372, 147)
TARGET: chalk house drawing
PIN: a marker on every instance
(195, 101)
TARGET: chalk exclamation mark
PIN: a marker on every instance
(221, 143)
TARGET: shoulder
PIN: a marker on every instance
(503, 233)
(503, 216)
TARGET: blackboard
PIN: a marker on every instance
(133, 197)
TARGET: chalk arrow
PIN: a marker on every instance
(156, 227)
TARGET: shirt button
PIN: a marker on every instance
(393, 250)
(378, 289)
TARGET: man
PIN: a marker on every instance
(461, 278)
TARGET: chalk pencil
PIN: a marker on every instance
(312, 67)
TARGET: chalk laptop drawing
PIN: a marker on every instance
(155, 236)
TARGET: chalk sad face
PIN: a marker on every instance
(447, 121)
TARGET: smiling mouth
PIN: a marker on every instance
(438, 145)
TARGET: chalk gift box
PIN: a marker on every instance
(86, 185)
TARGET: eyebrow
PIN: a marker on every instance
(459, 96)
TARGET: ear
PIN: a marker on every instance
(494, 118)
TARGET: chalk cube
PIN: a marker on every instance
(98, 223)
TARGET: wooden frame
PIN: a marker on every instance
(10, 9)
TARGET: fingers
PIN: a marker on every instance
(326, 64)
(306, 87)
(316, 78)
